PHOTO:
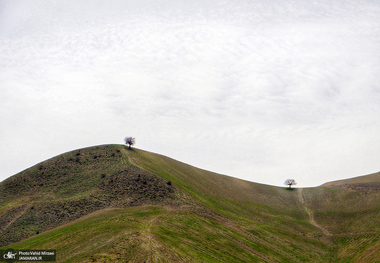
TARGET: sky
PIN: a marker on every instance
(262, 90)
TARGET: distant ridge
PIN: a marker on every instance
(369, 182)
(370, 178)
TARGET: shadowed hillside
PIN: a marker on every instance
(111, 204)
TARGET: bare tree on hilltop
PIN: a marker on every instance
(129, 141)
(290, 182)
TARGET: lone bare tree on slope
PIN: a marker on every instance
(129, 141)
(290, 182)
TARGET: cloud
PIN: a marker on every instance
(258, 90)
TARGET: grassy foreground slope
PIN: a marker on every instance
(111, 204)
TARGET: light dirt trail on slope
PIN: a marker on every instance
(15, 218)
(310, 213)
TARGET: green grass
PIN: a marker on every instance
(93, 236)
(117, 235)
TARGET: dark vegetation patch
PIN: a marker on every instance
(133, 186)
(44, 216)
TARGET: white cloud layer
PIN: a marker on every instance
(260, 90)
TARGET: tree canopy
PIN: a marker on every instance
(129, 141)
(290, 182)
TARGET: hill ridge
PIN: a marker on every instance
(369, 178)
(168, 210)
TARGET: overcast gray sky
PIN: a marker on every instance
(262, 90)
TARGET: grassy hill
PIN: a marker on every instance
(111, 204)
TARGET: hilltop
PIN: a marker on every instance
(111, 204)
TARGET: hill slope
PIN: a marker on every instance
(108, 203)
(369, 182)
